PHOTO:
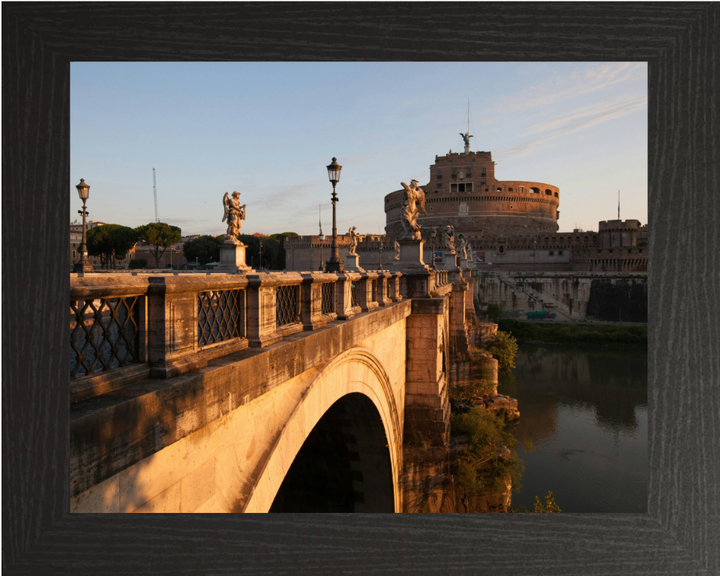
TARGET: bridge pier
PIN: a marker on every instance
(427, 407)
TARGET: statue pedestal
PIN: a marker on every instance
(352, 263)
(411, 256)
(449, 262)
(463, 263)
(232, 259)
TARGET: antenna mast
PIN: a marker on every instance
(155, 196)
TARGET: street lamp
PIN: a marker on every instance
(83, 265)
(334, 264)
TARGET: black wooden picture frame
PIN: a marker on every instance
(680, 534)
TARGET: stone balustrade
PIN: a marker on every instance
(127, 328)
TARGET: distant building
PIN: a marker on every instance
(509, 225)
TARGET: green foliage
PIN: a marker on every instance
(600, 334)
(137, 263)
(549, 507)
(159, 236)
(480, 383)
(280, 261)
(203, 249)
(488, 444)
(110, 242)
(504, 348)
(271, 252)
(494, 312)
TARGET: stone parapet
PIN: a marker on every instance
(124, 327)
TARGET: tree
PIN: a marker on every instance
(504, 348)
(280, 263)
(270, 251)
(110, 242)
(203, 249)
(159, 236)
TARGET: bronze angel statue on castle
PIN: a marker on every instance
(234, 214)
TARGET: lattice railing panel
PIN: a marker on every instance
(220, 316)
(103, 335)
(287, 309)
(328, 298)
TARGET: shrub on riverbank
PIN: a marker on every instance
(504, 348)
(490, 457)
(576, 333)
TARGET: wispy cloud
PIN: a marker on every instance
(560, 88)
(580, 120)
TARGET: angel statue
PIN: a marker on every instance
(466, 138)
(234, 214)
(397, 250)
(354, 238)
(412, 197)
(462, 249)
(450, 239)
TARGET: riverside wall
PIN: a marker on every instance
(564, 296)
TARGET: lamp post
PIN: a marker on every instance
(83, 265)
(334, 264)
(322, 257)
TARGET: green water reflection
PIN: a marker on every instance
(585, 408)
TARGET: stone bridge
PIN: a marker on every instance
(259, 392)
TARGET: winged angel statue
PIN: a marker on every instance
(412, 198)
(234, 214)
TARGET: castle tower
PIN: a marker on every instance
(463, 192)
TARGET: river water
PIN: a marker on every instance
(585, 409)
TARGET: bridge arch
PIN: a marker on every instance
(356, 384)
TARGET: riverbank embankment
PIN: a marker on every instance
(605, 334)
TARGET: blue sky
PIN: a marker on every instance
(269, 129)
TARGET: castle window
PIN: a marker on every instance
(548, 193)
(501, 249)
(535, 190)
(483, 172)
(468, 173)
(439, 183)
(510, 189)
(522, 188)
(454, 174)
(439, 174)
(461, 175)
(482, 181)
(556, 195)
(560, 252)
(551, 253)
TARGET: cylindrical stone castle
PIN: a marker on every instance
(463, 192)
